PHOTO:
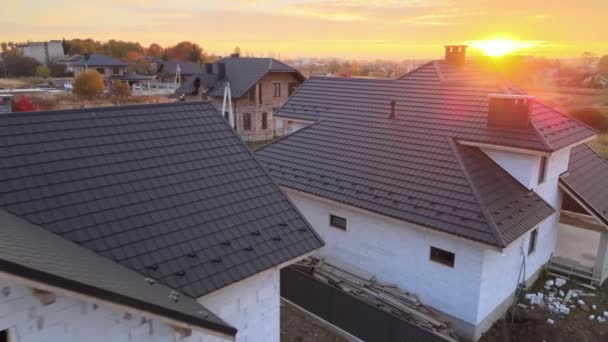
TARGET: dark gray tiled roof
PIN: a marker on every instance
(36, 254)
(96, 59)
(187, 68)
(391, 170)
(242, 73)
(167, 190)
(206, 80)
(413, 167)
(587, 180)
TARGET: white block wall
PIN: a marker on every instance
(73, 320)
(398, 253)
(251, 305)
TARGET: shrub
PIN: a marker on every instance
(592, 117)
(88, 84)
(23, 104)
(43, 71)
(121, 89)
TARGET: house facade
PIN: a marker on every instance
(141, 223)
(106, 66)
(258, 87)
(43, 52)
(442, 182)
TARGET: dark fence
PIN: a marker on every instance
(352, 315)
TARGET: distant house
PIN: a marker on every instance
(447, 182)
(167, 70)
(140, 223)
(43, 52)
(107, 66)
(258, 86)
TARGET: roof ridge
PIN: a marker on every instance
(105, 108)
(286, 136)
(564, 115)
(486, 213)
(413, 70)
(439, 73)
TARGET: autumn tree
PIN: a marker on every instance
(43, 71)
(121, 89)
(88, 84)
(23, 104)
(185, 51)
(17, 65)
(155, 50)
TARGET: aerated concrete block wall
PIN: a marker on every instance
(73, 320)
(251, 305)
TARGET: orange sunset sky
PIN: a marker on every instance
(392, 29)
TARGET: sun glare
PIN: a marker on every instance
(498, 47)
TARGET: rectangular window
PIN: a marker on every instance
(264, 120)
(101, 70)
(337, 221)
(442, 256)
(115, 71)
(260, 93)
(532, 243)
(247, 122)
(542, 169)
(277, 89)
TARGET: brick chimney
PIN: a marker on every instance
(509, 110)
(455, 54)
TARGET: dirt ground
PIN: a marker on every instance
(531, 323)
(298, 327)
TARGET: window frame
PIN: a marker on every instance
(260, 93)
(101, 72)
(542, 169)
(533, 241)
(115, 71)
(247, 122)
(341, 224)
(438, 255)
(277, 89)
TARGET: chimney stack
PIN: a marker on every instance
(509, 110)
(455, 54)
(392, 114)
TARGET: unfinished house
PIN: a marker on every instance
(177, 71)
(258, 86)
(446, 182)
(140, 223)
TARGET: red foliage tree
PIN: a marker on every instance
(24, 104)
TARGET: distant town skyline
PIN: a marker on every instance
(389, 29)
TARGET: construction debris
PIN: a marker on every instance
(388, 298)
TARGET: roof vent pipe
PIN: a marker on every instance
(392, 113)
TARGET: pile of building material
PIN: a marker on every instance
(388, 298)
(558, 301)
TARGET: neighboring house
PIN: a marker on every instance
(445, 182)
(6, 103)
(258, 86)
(140, 223)
(107, 66)
(43, 52)
(167, 71)
(133, 78)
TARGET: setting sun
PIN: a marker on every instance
(499, 47)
